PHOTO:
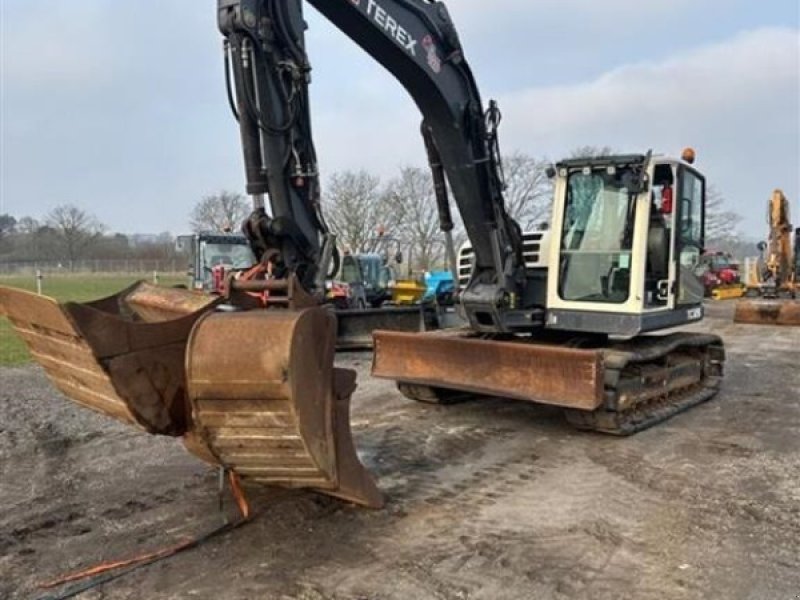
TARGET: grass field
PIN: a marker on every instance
(74, 288)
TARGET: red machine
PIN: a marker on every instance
(721, 277)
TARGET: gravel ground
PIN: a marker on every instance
(486, 500)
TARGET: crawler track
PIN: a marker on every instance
(653, 378)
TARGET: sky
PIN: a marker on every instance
(120, 107)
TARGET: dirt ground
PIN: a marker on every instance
(486, 500)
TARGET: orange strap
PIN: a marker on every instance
(238, 494)
(244, 510)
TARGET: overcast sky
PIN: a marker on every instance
(120, 107)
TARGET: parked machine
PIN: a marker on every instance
(776, 278)
(253, 388)
(212, 254)
(371, 274)
(721, 276)
(440, 287)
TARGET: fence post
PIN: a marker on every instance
(155, 277)
(39, 281)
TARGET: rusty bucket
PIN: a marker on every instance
(768, 312)
(268, 404)
(122, 356)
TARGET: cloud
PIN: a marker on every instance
(55, 44)
(737, 101)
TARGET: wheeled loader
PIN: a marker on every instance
(247, 378)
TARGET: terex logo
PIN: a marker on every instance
(388, 23)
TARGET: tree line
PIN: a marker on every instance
(68, 234)
(357, 205)
(366, 213)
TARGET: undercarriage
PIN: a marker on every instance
(618, 388)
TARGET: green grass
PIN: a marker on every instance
(65, 288)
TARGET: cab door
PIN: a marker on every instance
(690, 236)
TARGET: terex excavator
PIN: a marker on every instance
(777, 274)
(247, 379)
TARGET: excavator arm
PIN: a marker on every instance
(267, 76)
(415, 40)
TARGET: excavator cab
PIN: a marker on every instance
(630, 242)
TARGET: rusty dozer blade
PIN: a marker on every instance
(267, 402)
(122, 356)
(567, 377)
(768, 312)
(620, 388)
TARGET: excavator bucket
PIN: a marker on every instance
(268, 404)
(122, 356)
(768, 312)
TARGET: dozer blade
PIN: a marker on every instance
(768, 312)
(567, 377)
(619, 389)
(355, 327)
(122, 356)
(268, 404)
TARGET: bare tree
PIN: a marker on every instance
(412, 191)
(356, 210)
(219, 212)
(589, 151)
(528, 191)
(73, 230)
(721, 224)
(28, 225)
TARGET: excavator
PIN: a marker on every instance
(776, 278)
(247, 378)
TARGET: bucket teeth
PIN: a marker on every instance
(122, 356)
(267, 402)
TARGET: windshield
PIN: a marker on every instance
(597, 237)
(720, 262)
(232, 256)
(370, 268)
(350, 270)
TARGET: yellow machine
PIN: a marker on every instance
(775, 277)
(407, 291)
